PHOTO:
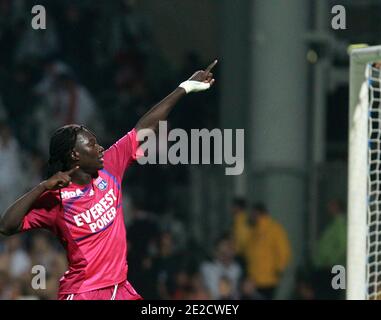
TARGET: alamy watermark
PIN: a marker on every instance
(339, 281)
(185, 147)
(39, 280)
(339, 21)
(39, 20)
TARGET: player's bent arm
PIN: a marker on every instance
(200, 81)
(11, 219)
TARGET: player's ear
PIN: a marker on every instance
(74, 155)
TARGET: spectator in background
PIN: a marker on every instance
(248, 290)
(225, 289)
(197, 289)
(129, 29)
(75, 104)
(182, 285)
(3, 112)
(142, 235)
(18, 289)
(165, 265)
(222, 266)
(142, 232)
(42, 251)
(52, 69)
(75, 24)
(129, 96)
(267, 251)
(19, 261)
(240, 225)
(57, 268)
(304, 289)
(14, 269)
(170, 222)
(11, 172)
(47, 92)
(38, 44)
(35, 169)
(19, 103)
(330, 251)
(4, 283)
(332, 244)
(66, 101)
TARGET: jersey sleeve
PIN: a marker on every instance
(43, 213)
(122, 153)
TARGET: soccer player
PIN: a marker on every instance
(81, 202)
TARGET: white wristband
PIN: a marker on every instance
(194, 86)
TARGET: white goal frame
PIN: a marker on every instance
(358, 173)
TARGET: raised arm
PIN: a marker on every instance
(11, 219)
(200, 81)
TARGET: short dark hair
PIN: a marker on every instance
(259, 206)
(239, 202)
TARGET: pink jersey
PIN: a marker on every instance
(89, 223)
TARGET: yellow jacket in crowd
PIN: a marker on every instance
(267, 252)
(240, 231)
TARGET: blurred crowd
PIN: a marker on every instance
(106, 73)
(246, 263)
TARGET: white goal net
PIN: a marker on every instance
(364, 192)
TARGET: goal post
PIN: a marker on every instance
(364, 176)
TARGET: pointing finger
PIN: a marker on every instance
(71, 171)
(211, 66)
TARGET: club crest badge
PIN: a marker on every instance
(101, 184)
